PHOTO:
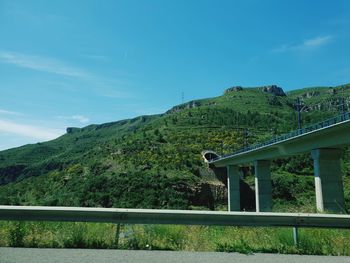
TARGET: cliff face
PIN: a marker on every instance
(273, 89)
(233, 89)
(189, 105)
(335, 104)
(333, 99)
(72, 129)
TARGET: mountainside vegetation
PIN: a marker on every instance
(155, 161)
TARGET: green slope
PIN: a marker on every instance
(154, 161)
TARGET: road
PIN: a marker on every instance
(29, 255)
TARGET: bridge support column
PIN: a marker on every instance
(328, 180)
(263, 189)
(233, 188)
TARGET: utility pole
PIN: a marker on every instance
(245, 137)
(182, 97)
(299, 113)
(342, 108)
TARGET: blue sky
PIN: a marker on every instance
(74, 63)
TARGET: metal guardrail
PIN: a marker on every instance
(179, 217)
(296, 133)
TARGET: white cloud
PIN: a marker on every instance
(29, 131)
(77, 117)
(307, 44)
(41, 64)
(101, 86)
(7, 112)
(81, 118)
(316, 42)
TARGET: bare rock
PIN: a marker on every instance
(233, 89)
(273, 89)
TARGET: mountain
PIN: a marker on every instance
(155, 162)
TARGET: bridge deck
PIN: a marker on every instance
(332, 133)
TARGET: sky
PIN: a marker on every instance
(74, 63)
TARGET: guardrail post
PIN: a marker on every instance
(296, 236)
(233, 188)
(263, 190)
(328, 180)
(117, 235)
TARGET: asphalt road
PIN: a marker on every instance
(29, 255)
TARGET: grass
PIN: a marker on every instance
(57, 235)
(245, 240)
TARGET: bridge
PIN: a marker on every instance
(325, 141)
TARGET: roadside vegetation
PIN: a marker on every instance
(163, 237)
(155, 162)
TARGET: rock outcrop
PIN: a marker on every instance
(188, 105)
(310, 94)
(72, 129)
(329, 105)
(273, 89)
(233, 89)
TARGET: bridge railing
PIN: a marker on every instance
(317, 126)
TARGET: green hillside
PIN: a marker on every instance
(155, 162)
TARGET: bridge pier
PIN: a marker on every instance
(263, 189)
(233, 188)
(328, 180)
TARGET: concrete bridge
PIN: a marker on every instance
(325, 141)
